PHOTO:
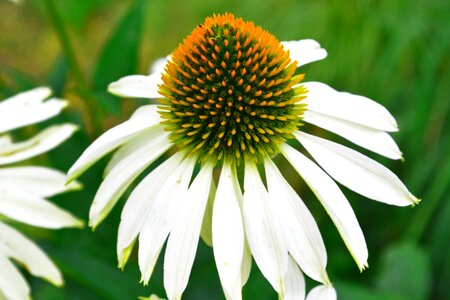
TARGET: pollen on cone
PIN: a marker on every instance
(234, 81)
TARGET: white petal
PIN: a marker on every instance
(228, 232)
(294, 282)
(28, 254)
(322, 292)
(304, 51)
(43, 142)
(147, 112)
(159, 64)
(143, 150)
(12, 284)
(375, 140)
(246, 265)
(263, 231)
(28, 108)
(17, 116)
(139, 204)
(147, 136)
(39, 181)
(206, 232)
(162, 215)
(32, 96)
(353, 108)
(300, 230)
(34, 210)
(357, 172)
(334, 202)
(144, 118)
(137, 86)
(183, 239)
(5, 140)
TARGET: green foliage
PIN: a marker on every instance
(396, 52)
(405, 270)
(119, 56)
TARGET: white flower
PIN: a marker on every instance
(23, 190)
(16, 1)
(230, 99)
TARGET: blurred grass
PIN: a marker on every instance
(396, 52)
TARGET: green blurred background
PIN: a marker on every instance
(396, 52)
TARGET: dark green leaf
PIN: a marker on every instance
(352, 291)
(119, 56)
(58, 76)
(405, 270)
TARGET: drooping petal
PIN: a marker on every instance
(263, 230)
(304, 51)
(349, 107)
(294, 282)
(12, 284)
(144, 150)
(39, 181)
(322, 292)
(206, 231)
(301, 233)
(45, 141)
(32, 96)
(144, 118)
(334, 202)
(357, 171)
(246, 265)
(28, 254)
(228, 232)
(139, 204)
(374, 140)
(137, 86)
(185, 235)
(156, 132)
(28, 108)
(33, 210)
(161, 217)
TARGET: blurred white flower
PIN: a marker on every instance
(16, 1)
(230, 100)
(24, 189)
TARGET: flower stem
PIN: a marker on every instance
(64, 40)
(72, 64)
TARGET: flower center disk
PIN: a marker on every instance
(229, 92)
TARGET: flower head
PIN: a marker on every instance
(230, 98)
(23, 190)
(228, 90)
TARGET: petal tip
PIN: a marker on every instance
(59, 282)
(93, 224)
(112, 88)
(363, 267)
(78, 223)
(73, 185)
(415, 200)
(121, 264)
(71, 176)
(325, 279)
(144, 279)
